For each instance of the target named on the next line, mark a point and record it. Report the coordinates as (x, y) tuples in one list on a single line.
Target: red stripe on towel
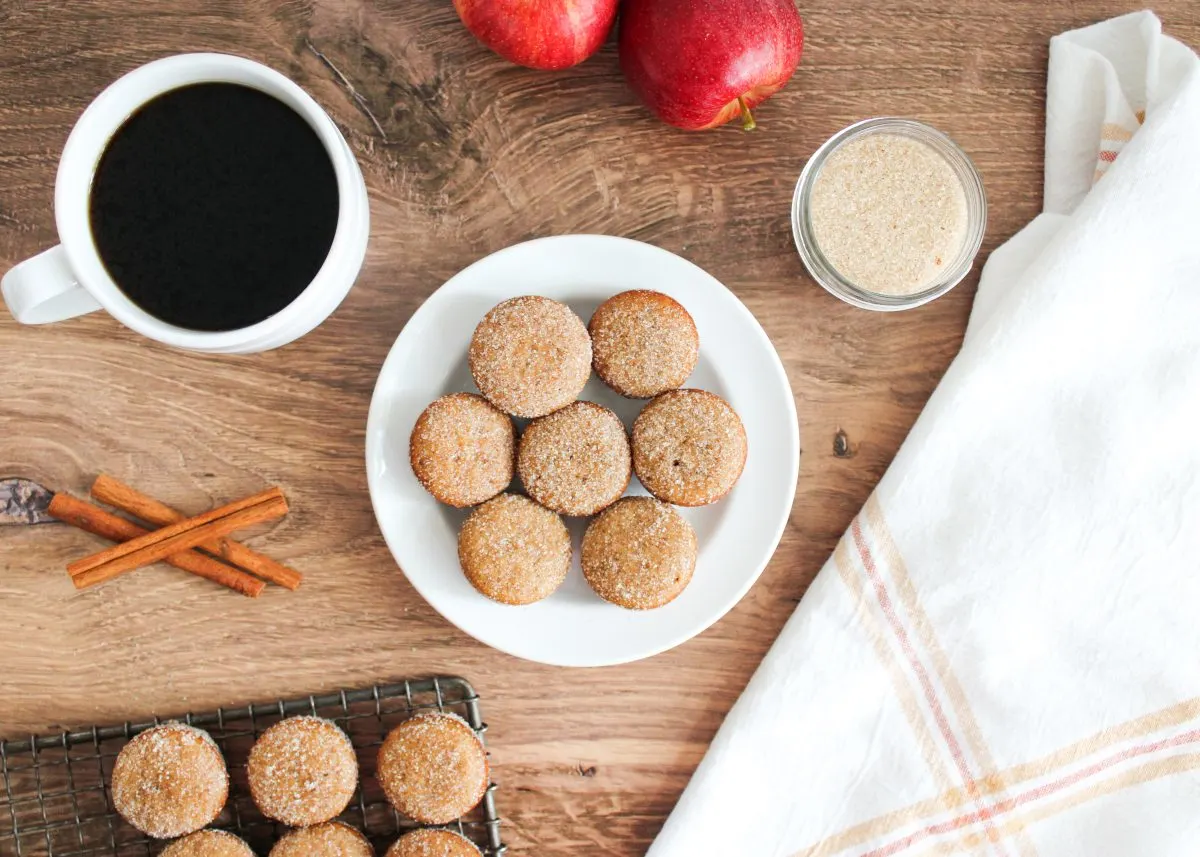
[(1037, 793), (935, 705)]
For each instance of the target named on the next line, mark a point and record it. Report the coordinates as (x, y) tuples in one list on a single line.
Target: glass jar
[(828, 276)]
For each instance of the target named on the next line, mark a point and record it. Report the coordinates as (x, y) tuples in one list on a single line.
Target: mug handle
[(43, 289)]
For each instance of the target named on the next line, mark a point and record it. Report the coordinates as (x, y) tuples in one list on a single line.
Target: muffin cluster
[(171, 782), (530, 358)]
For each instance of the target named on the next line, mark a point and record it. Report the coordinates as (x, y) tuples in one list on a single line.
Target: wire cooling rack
[(55, 801)]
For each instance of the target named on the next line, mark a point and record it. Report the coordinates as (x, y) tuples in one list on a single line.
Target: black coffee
[(214, 206)]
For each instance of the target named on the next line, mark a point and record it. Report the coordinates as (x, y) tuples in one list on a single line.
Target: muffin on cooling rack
[(643, 343), (576, 460), (302, 771), (429, 842), (514, 551), (461, 449), (689, 447), (530, 356), (170, 780), (332, 839), (433, 768), (639, 553), (208, 843)]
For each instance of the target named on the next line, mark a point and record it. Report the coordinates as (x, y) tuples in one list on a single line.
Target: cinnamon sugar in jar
[(889, 214)]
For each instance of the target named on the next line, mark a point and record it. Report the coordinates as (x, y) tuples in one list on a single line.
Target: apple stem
[(748, 123)]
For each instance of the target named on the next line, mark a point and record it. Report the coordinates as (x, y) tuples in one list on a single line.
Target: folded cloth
[(1002, 656)]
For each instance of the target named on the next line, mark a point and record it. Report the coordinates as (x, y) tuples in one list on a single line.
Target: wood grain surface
[(463, 155)]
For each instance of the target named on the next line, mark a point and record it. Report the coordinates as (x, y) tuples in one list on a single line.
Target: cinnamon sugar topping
[(170, 780), (689, 447), (575, 461), (433, 768), (332, 839), (514, 551), (640, 553), (530, 356), (208, 843), (302, 771), (461, 449), (428, 842), (643, 343)]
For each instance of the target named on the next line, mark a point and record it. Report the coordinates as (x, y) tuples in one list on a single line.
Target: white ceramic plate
[(737, 536)]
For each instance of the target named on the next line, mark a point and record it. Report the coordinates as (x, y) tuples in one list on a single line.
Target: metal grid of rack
[(55, 800)]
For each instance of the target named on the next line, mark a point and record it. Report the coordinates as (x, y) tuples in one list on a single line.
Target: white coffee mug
[(70, 279)]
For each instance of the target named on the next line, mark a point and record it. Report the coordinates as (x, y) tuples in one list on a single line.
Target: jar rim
[(823, 271)]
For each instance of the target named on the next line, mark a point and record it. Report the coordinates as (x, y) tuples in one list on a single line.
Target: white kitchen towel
[(1002, 657)]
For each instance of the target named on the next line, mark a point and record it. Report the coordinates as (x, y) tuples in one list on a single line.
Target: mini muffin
[(575, 461), (643, 343), (639, 554), (429, 842), (302, 771), (208, 843), (332, 839), (433, 768), (689, 447), (461, 449), (169, 781), (530, 356), (514, 551)]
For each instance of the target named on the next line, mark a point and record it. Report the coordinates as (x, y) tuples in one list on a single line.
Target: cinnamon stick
[(93, 519), (115, 493), (179, 536)]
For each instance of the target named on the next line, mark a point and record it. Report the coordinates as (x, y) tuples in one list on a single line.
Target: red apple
[(540, 33), (699, 64)]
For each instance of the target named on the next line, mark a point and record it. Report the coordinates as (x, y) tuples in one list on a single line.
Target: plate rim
[(794, 451)]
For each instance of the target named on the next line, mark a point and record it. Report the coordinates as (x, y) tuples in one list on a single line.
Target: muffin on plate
[(689, 447), (639, 554), (643, 343), (575, 461), (461, 449), (530, 356), (514, 551)]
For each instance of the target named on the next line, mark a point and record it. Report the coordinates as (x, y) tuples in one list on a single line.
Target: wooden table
[(465, 154)]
